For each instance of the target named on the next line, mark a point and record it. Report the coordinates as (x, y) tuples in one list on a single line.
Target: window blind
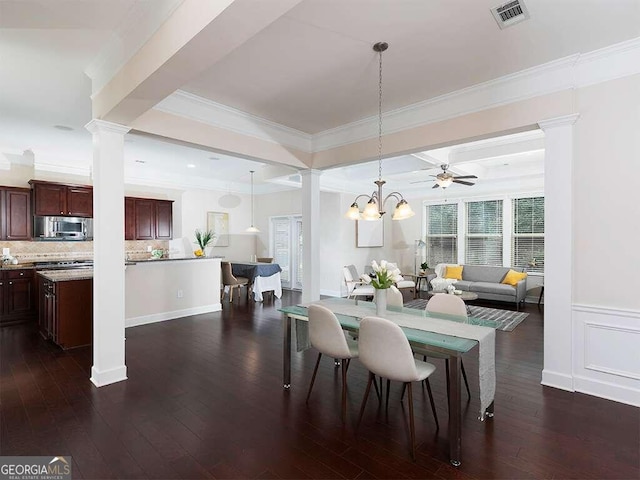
[(528, 234), (442, 234), (484, 233)]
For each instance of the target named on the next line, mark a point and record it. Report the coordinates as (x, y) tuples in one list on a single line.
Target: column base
[(107, 377)]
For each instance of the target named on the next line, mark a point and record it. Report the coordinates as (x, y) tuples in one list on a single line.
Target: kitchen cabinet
[(56, 199), (15, 213), (17, 296), (148, 219), (66, 312)]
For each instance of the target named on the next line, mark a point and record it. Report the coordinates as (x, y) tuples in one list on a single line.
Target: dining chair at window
[(228, 280), (450, 305), (326, 336), (355, 286), (385, 351)]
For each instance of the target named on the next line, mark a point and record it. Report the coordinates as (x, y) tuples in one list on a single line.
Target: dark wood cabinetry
[(148, 219), (15, 213), (17, 296), (66, 312), (58, 199)]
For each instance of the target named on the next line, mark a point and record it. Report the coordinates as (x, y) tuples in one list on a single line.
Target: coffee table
[(465, 296)]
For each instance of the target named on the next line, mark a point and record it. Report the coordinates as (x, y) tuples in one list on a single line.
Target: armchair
[(355, 287)]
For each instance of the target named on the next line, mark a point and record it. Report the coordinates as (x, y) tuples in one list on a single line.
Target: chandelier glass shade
[(374, 209)]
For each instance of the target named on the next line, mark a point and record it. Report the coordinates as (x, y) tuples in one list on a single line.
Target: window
[(527, 248), (484, 233), (442, 234)]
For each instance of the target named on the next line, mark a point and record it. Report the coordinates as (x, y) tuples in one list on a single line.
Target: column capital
[(558, 121), (307, 172), (96, 126)]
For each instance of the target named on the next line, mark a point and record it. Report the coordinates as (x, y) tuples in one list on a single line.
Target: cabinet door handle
[(1, 284), (10, 283), (21, 274)]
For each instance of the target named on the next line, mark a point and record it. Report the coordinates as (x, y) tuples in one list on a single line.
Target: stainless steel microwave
[(62, 228)]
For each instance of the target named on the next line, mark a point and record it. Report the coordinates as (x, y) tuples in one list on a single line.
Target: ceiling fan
[(445, 178)]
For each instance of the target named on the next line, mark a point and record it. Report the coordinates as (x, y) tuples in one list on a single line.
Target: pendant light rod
[(252, 229), (375, 205)]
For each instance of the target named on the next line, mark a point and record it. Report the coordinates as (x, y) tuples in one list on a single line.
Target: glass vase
[(381, 301)]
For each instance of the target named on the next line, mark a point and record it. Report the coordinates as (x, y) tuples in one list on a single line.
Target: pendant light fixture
[(252, 229), (375, 204)]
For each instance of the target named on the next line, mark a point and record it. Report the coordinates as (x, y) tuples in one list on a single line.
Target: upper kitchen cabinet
[(148, 219), (56, 199), (15, 213)]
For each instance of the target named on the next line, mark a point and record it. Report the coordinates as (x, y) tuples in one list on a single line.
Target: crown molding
[(574, 71), (194, 107)]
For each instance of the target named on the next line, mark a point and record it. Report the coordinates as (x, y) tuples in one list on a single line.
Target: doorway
[(285, 241)]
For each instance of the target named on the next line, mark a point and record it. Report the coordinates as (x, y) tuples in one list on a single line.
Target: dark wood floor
[(204, 399)]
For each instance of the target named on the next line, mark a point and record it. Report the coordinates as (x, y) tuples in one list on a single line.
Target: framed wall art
[(369, 233), (218, 223)]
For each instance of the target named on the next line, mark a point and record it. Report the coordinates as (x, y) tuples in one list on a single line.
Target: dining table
[(263, 277), (440, 333)]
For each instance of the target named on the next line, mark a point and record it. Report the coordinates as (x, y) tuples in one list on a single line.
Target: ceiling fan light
[(371, 211), (403, 211), (445, 182), (354, 212)]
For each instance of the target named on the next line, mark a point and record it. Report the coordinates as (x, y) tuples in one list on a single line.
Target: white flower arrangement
[(386, 275)]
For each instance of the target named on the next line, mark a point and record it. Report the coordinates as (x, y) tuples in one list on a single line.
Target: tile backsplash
[(42, 251)]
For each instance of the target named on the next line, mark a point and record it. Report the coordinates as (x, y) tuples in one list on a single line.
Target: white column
[(310, 235), (558, 254), (108, 252)]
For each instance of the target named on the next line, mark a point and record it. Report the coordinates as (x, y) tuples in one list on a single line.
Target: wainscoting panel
[(606, 353)]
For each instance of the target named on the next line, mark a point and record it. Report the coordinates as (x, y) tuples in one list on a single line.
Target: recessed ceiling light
[(63, 127), (214, 158), (191, 165), (140, 161), (505, 164)]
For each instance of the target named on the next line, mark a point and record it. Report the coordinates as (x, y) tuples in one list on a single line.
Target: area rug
[(507, 320)]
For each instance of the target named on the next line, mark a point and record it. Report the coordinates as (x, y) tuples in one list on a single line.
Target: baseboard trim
[(610, 391), (331, 293), (164, 316), (107, 377), (557, 380)]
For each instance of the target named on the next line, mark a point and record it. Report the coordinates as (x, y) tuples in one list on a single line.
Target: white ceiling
[(311, 70)]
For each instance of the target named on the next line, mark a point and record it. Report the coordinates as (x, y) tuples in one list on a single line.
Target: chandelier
[(375, 205)]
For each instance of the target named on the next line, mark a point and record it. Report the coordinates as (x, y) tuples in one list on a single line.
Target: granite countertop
[(169, 259), (67, 275), (16, 267)]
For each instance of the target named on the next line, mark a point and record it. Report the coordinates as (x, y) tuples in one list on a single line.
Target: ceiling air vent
[(510, 13)]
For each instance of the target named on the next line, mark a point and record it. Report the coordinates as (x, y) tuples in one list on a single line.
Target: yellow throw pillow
[(512, 277), (453, 272)]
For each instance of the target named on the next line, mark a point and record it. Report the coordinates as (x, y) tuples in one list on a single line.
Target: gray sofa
[(485, 281)]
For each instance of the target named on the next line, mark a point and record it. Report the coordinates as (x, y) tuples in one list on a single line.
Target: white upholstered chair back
[(326, 334), (394, 298), (385, 351), (449, 304)]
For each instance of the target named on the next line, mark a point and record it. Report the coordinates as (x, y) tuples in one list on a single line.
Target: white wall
[(196, 204)]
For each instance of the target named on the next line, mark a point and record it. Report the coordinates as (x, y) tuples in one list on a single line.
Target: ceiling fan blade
[(435, 186), (463, 182), (421, 181), (466, 176)]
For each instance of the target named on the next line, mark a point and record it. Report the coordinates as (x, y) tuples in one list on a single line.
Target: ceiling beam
[(196, 36)]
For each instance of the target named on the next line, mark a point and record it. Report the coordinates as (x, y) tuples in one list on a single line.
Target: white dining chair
[(394, 298), (449, 305), (385, 351), (326, 336)]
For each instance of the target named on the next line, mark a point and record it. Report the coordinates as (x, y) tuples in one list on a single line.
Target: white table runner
[(485, 336)]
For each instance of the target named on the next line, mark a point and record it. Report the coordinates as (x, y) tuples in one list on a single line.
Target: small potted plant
[(203, 239), (424, 266)]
